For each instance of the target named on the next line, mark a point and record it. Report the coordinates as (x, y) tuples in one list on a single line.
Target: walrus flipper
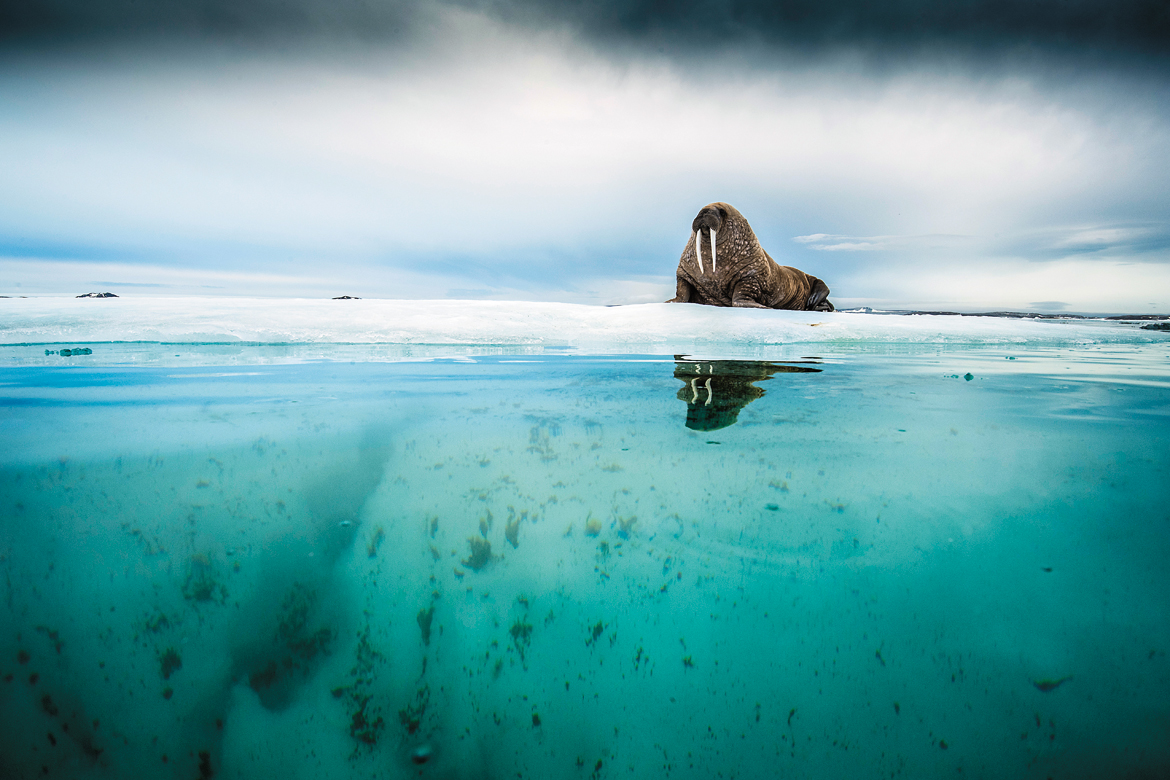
[(683, 291), (818, 299)]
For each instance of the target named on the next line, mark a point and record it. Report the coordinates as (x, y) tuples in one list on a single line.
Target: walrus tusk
[(699, 249), (694, 390), (710, 395), (714, 268)]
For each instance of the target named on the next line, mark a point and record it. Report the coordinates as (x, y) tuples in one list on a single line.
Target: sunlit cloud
[(824, 242)]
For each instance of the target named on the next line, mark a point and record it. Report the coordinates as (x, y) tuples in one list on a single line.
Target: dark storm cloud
[(1138, 26), (84, 20)]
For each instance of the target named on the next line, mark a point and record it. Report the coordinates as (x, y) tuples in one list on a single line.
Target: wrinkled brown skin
[(746, 275)]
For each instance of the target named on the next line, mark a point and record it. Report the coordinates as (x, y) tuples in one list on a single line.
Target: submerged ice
[(538, 566)]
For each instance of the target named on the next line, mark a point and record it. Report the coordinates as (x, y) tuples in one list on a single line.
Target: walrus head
[(722, 223), (711, 218)]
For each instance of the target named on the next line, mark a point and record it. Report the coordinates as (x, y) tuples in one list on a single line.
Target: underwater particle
[(942, 743), (201, 584), (53, 637), (626, 526), (592, 526), (521, 633), (205, 770), (791, 712), (535, 720), (168, 692), (1047, 685), (512, 532), (421, 754), (594, 633), (433, 525), (412, 714), (897, 708), (772, 507), (52, 739), (375, 542), (48, 706), (32, 678), (169, 662), (425, 616), (1046, 569), (709, 441), (968, 376), (264, 678), (878, 655), (481, 553), (9, 677), (687, 662), (157, 623), (23, 657), (361, 727)]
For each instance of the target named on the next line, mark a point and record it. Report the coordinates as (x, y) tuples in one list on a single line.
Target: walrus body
[(723, 264)]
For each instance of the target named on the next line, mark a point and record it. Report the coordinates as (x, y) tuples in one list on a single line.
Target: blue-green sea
[(819, 562)]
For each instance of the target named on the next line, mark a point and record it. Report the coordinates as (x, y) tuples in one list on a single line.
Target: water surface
[(814, 562)]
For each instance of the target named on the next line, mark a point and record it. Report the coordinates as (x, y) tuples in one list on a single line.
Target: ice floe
[(649, 327)]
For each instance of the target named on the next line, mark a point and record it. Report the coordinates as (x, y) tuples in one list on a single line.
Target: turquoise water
[(860, 562)]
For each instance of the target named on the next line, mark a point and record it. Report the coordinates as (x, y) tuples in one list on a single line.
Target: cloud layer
[(1117, 26), (477, 156)]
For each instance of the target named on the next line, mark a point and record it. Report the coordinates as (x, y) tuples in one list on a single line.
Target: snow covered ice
[(391, 539)]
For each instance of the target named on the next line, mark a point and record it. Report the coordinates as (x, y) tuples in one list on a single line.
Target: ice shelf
[(658, 326)]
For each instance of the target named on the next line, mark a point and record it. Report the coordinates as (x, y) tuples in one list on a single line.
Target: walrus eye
[(714, 268), (699, 249)]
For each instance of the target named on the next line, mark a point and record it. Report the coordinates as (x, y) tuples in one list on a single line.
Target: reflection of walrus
[(716, 390), (739, 271)]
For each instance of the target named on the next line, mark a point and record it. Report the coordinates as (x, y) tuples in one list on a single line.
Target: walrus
[(734, 270), (716, 390)]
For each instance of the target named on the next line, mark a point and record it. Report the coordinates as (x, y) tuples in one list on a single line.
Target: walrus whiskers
[(694, 390), (710, 395), (699, 249), (714, 268)]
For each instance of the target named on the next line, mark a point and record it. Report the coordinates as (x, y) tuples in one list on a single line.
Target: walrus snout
[(709, 218)]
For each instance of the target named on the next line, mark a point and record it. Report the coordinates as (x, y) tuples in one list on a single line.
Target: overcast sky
[(970, 155)]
